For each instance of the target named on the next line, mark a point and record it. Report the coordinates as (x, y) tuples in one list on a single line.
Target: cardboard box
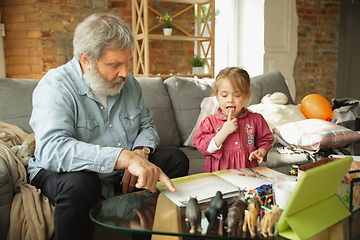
[(350, 185)]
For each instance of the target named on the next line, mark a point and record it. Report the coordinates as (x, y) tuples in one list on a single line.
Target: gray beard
[(99, 85)]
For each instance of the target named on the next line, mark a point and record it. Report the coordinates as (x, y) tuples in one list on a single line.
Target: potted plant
[(167, 21), (198, 65)]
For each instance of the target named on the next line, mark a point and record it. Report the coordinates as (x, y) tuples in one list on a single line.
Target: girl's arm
[(264, 139), (204, 138), (229, 127)]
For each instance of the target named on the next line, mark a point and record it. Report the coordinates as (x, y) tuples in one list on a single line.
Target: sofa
[(175, 103)]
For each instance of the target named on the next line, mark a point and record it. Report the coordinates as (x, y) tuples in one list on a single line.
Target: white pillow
[(208, 105), (315, 134), (277, 115)]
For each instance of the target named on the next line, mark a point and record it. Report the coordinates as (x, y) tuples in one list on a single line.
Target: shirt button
[(236, 143), (110, 125), (102, 169), (101, 107), (131, 117), (119, 144)]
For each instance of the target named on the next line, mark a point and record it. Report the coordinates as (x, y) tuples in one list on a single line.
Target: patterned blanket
[(31, 215)]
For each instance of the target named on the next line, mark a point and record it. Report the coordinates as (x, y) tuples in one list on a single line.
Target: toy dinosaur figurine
[(269, 220), (193, 215), (218, 206), (251, 217), (237, 211)]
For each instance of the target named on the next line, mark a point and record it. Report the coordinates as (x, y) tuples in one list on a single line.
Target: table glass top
[(153, 213)]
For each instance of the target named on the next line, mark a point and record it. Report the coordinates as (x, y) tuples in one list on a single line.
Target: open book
[(204, 186)]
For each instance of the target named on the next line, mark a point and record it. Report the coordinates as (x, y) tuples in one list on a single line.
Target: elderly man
[(93, 131)]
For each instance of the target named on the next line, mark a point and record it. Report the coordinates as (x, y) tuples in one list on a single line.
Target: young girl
[(233, 137)]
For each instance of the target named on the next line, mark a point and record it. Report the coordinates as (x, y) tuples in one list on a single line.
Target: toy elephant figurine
[(193, 215), (218, 206)]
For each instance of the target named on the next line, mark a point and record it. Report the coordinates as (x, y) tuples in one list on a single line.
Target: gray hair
[(99, 33)]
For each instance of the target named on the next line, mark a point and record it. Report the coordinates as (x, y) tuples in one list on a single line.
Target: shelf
[(178, 38), (173, 37), (186, 1), (205, 35)]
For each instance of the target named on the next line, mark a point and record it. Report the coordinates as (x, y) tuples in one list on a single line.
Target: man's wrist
[(123, 159), (144, 149)]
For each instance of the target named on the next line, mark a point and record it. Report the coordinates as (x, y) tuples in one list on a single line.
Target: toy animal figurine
[(251, 217), (193, 215), (237, 211), (218, 206), (269, 220)]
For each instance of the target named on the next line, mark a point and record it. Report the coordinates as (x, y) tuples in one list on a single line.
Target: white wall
[(281, 40), (250, 35), (223, 34), (258, 35), (239, 35)]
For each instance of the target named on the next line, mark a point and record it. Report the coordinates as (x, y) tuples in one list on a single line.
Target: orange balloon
[(316, 106)]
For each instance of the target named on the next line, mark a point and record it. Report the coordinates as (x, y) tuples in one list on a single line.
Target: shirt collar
[(79, 79)]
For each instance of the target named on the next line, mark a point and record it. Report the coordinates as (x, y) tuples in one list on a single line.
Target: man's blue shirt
[(75, 132)]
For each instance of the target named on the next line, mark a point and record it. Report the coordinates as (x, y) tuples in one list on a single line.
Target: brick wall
[(316, 64), (39, 37), (22, 43), (39, 34), (171, 56)]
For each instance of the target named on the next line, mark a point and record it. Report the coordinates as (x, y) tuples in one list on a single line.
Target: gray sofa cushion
[(269, 83), (186, 95), (157, 100), (197, 160), (17, 94)]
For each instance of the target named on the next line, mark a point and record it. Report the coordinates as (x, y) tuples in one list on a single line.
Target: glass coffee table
[(144, 212)]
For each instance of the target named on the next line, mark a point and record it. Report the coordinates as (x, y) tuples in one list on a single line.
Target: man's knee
[(83, 184), (181, 157), (173, 161)]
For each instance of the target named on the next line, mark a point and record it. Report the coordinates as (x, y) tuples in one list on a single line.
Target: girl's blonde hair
[(239, 79)]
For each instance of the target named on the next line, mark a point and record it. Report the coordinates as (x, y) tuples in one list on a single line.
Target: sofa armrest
[(6, 197)]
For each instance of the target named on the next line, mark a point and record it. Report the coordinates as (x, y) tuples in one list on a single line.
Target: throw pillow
[(315, 134), (208, 105), (185, 96), (163, 115), (277, 115)]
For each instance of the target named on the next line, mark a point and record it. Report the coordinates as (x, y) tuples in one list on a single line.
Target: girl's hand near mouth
[(229, 127)]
